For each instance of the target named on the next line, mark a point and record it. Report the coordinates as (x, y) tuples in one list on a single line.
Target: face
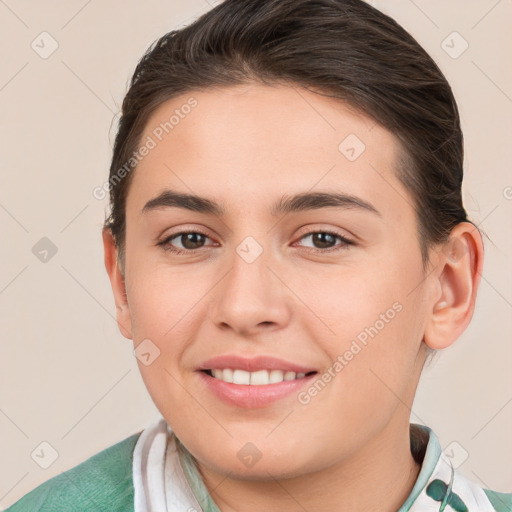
[(327, 293)]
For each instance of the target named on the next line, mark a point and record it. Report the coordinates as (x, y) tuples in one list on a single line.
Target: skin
[(244, 147)]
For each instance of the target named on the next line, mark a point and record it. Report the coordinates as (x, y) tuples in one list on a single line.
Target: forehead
[(256, 141)]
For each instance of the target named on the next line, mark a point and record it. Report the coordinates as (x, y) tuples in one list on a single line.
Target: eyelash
[(165, 244)]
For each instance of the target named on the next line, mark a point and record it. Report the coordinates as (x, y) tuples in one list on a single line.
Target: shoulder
[(501, 501), (102, 482)]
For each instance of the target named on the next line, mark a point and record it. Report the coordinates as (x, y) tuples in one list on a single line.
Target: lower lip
[(252, 397)]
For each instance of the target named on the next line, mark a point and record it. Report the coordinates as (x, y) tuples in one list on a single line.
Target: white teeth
[(275, 376), (258, 378), (226, 375), (241, 377)]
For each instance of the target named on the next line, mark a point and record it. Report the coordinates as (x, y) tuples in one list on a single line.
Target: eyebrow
[(304, 201)]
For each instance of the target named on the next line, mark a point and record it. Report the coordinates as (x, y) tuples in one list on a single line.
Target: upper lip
[(252, 364)]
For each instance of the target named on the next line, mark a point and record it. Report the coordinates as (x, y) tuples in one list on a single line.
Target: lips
[(253, 382)]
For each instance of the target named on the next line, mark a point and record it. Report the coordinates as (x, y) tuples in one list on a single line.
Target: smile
[(253, 382)]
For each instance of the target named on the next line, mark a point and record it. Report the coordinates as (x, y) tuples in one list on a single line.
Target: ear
[(456, 278), (117, 282)]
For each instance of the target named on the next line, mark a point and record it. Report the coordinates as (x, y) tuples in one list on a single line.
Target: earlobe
[(459, 268), (118, 284)]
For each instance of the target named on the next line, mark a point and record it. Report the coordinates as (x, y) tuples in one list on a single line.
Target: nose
[(252, 297)]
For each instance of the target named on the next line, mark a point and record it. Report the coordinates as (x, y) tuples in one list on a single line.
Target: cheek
[(162, 313), (162, 299), (372, 320), (348, 303)]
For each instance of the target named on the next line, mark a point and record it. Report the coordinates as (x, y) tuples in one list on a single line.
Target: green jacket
[(102, 483)]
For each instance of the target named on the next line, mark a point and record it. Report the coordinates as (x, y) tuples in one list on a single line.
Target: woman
[(287, 246)]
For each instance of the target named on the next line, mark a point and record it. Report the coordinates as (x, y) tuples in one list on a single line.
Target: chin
[(262, 470), (261, 460)]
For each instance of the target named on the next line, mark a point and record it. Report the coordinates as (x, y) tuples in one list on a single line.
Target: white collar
[(160, 484)]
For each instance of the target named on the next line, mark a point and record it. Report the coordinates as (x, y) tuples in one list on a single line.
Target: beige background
[(67, 376)]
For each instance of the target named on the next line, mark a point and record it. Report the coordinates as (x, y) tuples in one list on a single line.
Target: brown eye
[(324, 241), (190, 241)]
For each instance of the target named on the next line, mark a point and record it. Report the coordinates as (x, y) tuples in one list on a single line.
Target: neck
[(378, 477)]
